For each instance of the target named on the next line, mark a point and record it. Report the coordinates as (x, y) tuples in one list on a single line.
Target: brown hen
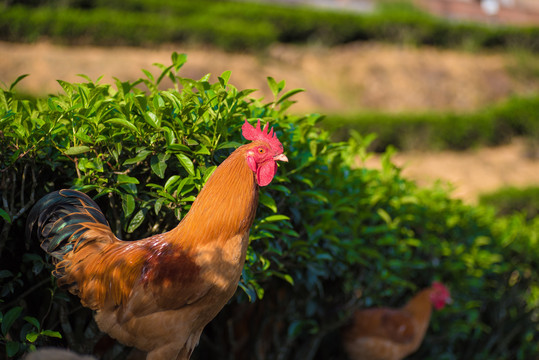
[(393, 334)]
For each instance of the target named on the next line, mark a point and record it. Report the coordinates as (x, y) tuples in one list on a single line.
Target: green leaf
[(186, 163), (158, 204), (266, 200), (208, 172), (32, 336), (33, 321), (51, 333), (128, 204), (86, 77), (17, 81), (171, 180), (148, 75), (137, 220), (285, 277), (159, 164), (275, 218), (203, 151), (295, 328), (249, 291), (124, 179), (413, 242), (223, 79), (75, 150), (141, 156), (178, 60), (228, 145), (288, 94), (189, 198), (124, 123), (281, 188), (169, 135), (152, 119), (5, 215), (384, 215), (158, 101), (275, 86), (12, 348), (9, 318), (179, 147)]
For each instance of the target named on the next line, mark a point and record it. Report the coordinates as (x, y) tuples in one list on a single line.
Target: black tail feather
[(55, 220)]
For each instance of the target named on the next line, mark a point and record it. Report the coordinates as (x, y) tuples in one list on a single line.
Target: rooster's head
[(266, 150)]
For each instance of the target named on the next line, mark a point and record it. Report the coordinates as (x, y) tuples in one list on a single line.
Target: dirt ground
[(344, 79), (347, 78), (469, 173)]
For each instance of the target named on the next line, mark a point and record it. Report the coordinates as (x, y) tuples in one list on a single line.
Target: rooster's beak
[(280, 157)]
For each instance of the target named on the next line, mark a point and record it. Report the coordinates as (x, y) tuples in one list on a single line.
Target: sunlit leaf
[(276, 218), (223, 79), (76, 150), (288, 94), (124, 123), (186, 163), (152, 119), (14, 83), (32, 336), (171, 181), (51, 333), (125, 179), (178, 60), (266, 200)]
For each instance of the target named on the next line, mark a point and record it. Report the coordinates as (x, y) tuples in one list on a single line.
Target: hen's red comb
[(439, 286), (250, 133)]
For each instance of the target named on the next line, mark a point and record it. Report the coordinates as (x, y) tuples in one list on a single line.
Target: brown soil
[(348, 78), (344, 79), (469, 173)]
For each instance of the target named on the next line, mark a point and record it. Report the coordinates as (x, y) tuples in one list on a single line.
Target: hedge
[(245, 26), (325, 230), (510, 200), (494, 125)]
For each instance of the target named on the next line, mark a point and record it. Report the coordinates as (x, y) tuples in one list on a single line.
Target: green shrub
[(495, 125), (512, 200), (239, 25), (325, 230)]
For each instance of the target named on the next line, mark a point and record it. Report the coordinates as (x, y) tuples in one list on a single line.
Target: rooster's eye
[(261, 150)]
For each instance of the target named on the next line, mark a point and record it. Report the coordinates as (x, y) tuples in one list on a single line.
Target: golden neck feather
[(226, 205)]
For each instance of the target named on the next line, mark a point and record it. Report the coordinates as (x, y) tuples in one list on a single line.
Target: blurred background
[(407, 70)]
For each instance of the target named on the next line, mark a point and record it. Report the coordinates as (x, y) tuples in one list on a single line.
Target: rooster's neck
[(226, 205), (420, 307)]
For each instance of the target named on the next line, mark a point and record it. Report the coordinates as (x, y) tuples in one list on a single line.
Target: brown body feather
[(388, 334), (158, 293)]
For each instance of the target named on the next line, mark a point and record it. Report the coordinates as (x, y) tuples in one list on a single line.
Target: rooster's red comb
[(251, 133)]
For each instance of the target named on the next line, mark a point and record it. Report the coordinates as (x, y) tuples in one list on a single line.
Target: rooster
[(393, 334), (157, 294)]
